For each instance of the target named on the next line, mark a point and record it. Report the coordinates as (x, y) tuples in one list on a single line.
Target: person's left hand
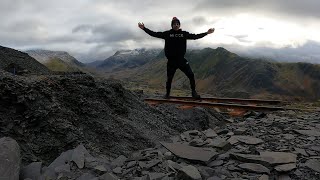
[(141, 25), (211, 30)]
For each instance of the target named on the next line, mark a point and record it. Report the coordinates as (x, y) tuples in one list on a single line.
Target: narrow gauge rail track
[(224, 100), (226, 103)]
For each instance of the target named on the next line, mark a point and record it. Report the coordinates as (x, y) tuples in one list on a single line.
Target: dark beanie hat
[(175, 20)]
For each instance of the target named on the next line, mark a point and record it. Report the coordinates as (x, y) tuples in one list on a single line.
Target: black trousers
[(183, 65)]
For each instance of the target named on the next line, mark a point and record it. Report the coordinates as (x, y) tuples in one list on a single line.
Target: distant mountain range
[(57, 60), (221, 73)]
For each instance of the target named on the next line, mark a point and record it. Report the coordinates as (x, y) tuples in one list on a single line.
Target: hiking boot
[(167, 96), (195, 95)]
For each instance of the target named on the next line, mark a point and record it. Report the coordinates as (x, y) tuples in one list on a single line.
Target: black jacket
[(175, 41)]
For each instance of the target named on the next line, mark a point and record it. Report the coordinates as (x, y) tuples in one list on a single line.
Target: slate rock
[(233, 140), (9, 159), (275, 158), (197, 142), (86, 176), (206, 172), (78, 156), (309, 132), (32, 171), (220, 143), (191, 153), (288, 136), (155, 176), (189, 173), (210, 133), (108, 176), (64, 158), (117, 170), (285, 167), (313, 164), (215, 163), (173, 166), (267, 158), (240, 131), (62, 169), (264, 177), (284, 177), (119, 161), (214, 178), (249, 140), (300, 151)]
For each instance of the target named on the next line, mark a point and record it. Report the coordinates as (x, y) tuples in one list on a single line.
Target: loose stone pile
[(283, 145)]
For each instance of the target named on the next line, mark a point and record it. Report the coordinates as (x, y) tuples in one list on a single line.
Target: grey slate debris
[(251, 156)]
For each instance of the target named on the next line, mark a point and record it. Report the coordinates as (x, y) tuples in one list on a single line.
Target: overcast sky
[(95, 29)]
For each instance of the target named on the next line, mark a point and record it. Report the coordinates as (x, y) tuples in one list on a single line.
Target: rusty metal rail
[(233, 106), (235, 100)]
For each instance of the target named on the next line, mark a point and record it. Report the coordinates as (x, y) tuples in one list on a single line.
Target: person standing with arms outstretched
[(175, 48)]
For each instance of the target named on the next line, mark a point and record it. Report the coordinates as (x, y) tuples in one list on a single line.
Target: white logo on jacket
[(176, 35)]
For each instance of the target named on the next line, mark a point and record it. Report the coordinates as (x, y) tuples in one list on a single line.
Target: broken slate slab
[(267, 158), (32, 171), (285, 167), (119, 161), (156, 176), (214, 178), (9, 158), (206, 172), (309, 132), (284, 177), (191, 153), (264, 177), (62, 159), (300, 151), (240, 131), (233, 140), (275, 158), (249, 140), (86, 176), (189, 172), (197, 143), (288, 136), (172, 165), (210, 133), (256, 168), (78, 155), (313, 164), (219, 142), (108, 176)]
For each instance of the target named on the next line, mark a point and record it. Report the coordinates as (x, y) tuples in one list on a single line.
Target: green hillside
[(222, 73), (56, 64)]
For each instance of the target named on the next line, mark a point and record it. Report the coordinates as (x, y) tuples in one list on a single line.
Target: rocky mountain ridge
[(56, 60), (18, 62), (128, 59)]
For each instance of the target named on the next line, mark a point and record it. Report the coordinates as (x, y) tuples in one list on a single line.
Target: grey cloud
[(308, 52), (108, 33), (294, 8), (241, 38), (82, 28), (199, 20)]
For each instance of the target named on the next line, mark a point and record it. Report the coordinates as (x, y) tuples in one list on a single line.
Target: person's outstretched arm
[(198, 36), (151, 33)]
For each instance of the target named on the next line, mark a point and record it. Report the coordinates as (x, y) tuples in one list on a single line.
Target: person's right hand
[(141, 25)]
